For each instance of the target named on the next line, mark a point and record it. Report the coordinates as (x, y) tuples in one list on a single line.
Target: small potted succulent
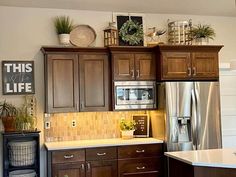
[(64, 25), (7, 114), (202, 33), (127, 128), (24, 121)]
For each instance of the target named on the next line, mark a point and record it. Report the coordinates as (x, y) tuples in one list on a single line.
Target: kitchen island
[(202, 163)]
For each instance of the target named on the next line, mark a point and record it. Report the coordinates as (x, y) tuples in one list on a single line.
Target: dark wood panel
[(135, 151), (205, 65), (140, 165), (62, 83), (176, 65), (180, 169), (66, 156), (123, 67), (94, 82), (68, 170), (104, 168), (101, 153), (214, 172), (145, 66)]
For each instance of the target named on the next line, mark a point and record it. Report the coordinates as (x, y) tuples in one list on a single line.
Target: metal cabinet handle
[(138, 73), (140, 151), (81, 105), (68, 156), (189, 71), (140, 168), (82, 166), (132, 73), (194, 71), (88, 166), (101, 154)]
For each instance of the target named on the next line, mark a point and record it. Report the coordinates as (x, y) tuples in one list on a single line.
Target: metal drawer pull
[(140, 151), (140, 168), (68, 156), (101, 154)]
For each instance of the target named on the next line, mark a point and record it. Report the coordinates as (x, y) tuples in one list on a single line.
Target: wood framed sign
[(18, 77), (142, 125)]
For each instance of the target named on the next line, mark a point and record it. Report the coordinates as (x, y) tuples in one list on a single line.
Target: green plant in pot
[(24, 120), (202, 33), (7, 115), (127, 128), (63, 25)]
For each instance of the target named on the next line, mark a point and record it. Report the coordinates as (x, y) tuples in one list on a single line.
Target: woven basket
[(22, 173)]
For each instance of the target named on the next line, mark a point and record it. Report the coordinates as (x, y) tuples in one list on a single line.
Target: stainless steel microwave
[(134, 95)]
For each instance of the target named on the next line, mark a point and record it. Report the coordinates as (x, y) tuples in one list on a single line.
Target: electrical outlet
[(47, 124), (73, 123)]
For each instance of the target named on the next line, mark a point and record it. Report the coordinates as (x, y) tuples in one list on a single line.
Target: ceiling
[(192, 7)]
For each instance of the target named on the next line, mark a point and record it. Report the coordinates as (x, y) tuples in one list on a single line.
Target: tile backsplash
[(89, 125)]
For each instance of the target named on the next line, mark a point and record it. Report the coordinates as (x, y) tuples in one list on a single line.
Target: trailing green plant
[(203, 31), (63, 24), (7, 110), (127, 125), (24, 120)]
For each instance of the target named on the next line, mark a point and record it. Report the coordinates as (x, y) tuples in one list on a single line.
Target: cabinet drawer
[(140, 165), (68, 156), (101, 153), (134, 151)]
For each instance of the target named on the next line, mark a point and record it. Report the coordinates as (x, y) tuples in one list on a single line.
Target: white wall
[(24, 30)]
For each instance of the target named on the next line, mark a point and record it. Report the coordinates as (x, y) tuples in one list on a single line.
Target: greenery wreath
[(131, 27)]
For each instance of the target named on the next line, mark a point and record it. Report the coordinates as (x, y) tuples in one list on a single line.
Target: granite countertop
[(63, 145), (222, 158)]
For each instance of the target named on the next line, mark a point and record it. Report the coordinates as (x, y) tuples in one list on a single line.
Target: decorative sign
[(18, 77), (142, 125)]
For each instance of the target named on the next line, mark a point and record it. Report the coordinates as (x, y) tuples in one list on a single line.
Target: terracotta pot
[(127, 134), (8, 123)]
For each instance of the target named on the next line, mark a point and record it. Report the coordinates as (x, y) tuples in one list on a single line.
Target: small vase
[(64, 39), (127, 134), (202, 41), (8, 123)]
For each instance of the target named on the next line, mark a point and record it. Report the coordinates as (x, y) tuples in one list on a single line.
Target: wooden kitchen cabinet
[(94, 82), (140, 160), (76, 79), (61, 76), (131, 63), (188, 62), (68, 170)]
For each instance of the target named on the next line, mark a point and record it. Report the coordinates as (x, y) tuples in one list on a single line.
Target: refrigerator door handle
[(194, 120), (198, 127)]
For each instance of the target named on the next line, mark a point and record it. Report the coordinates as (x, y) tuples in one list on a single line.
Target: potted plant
[(64, 25), (7, 114), (202, 33), (24, 120), (127, 128)]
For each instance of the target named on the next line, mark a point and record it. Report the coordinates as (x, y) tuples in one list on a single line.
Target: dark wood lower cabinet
[(107, 168), (68, 170)]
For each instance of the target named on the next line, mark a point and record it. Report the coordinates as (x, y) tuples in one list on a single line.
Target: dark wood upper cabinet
[(61, 82), (133, 63), (94, 82), (188, 62), (76, 79)]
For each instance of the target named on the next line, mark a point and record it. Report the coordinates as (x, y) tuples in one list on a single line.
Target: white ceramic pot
[(127, 134), (201, 41), (64, 39)]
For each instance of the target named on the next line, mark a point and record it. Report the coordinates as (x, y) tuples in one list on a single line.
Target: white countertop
[(223, 158), (63, 145)]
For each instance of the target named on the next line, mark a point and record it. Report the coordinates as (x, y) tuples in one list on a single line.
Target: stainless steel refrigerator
[(192, 115)]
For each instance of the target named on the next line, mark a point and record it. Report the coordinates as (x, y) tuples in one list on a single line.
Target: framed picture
[(135, 37), (18, 77), (142, 125)]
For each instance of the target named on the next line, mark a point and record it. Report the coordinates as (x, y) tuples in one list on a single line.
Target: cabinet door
[(123, 67), (176, 65), (68, 170), (205, 65), (105, 168), (61, 83), (94, 82), (145, 66)]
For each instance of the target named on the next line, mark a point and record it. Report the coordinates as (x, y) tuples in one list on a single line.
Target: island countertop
[(63, 145), (221, 158)]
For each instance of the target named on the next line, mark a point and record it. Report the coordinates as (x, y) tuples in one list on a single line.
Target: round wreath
[(128, 27)]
